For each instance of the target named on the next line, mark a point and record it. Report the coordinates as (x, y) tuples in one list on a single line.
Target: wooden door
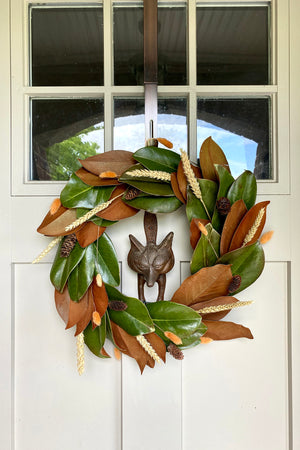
[(239, 394)]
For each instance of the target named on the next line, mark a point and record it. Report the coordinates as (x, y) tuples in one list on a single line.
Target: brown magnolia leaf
[(118, 210), (232, 221), (175, 187), (266, 237), (250, 227), (158, 344), (71, 312), (195, 232), (94, 180), (100, 297), (85, 319), (117, 160), (210, 154), (104, 352), (220, 331), (206, 284), (165, 142), (55, 224), (55, 205), (182, 181), (196, 170), (88, 234), (225, 300)]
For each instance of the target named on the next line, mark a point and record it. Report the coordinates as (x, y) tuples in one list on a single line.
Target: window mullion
[(108, 75), (192, 76)]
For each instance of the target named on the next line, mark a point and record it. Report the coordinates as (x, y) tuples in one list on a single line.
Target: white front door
[(240, 394)]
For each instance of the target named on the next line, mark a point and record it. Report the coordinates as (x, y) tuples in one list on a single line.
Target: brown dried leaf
[(71, 312), (219, 331), (206, 284), (85, 320), (196, 170), (100, 297), (158, 344), (117, 160), (225, 300), (210, 154), (247, 223), (55, 224), (234, 217), (88, 234), (118, 209), (94, 180), (175, 187), (182, 181), (104, 352), (195, 232)]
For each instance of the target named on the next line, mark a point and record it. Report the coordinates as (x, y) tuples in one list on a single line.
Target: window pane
[(67, 46), (128, 45), (172, 121), (172, 45), (63, 131), (232, 45), (129, 124), (241, 127)]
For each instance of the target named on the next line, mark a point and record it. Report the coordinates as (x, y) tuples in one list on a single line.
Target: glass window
[(63, 131), (232, 45), (172, 121), (128, 35), (66, 46), (129, 123), (172, 53), (241, 127)]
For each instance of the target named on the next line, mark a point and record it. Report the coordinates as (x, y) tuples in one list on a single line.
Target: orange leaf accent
[(202, 228), (118, 209), (108, 174), (117, 353), (88, 234), (165, 142), (55, 205), (173, 337), (96, 318), (266, 237), (195, 232), (246, 224), (99, 280), (175, 187), (205, 340), (71, 312), (225, 300), (206, 284), (210, 154), (94, 180), (219, 331), (118, 160), (234, 217)]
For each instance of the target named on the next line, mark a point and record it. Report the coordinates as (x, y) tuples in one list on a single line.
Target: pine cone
[(223, 206), (234, 284), (68, 245), (175, 351), (131, 193), (117, 305)]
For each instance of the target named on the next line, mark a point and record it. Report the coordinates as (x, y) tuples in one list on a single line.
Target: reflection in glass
[(172, 45), (128, 35), (241, 127), (129, 124), (67, 46), (64, 131), (172, 121), (232, 45)]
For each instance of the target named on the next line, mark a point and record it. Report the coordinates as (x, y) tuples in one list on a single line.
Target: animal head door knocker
[(151, 261)]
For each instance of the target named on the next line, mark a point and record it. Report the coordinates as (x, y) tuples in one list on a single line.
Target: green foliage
[(204, 255)]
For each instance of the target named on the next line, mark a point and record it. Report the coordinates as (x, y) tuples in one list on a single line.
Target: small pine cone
[(223, 206), (117, 305), (234, 284), (132, 193), (175, 351), (68, 245)]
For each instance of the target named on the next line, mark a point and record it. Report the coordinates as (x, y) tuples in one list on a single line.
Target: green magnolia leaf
[(155, 204), (155, 158), (194, 206), (194, 339), (204, 255), (82, 276), (78, 194), (106, 261), (169, 316), (225, 181), (95, 339), (135, 319), (96, 220), (245, 188), (62, 267), (153, 188), (248, 262)]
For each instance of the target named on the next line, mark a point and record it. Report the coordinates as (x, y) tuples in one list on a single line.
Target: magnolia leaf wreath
[(225, 227)]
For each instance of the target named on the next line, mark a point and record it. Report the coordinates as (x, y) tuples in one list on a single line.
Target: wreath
[(225, 226)]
